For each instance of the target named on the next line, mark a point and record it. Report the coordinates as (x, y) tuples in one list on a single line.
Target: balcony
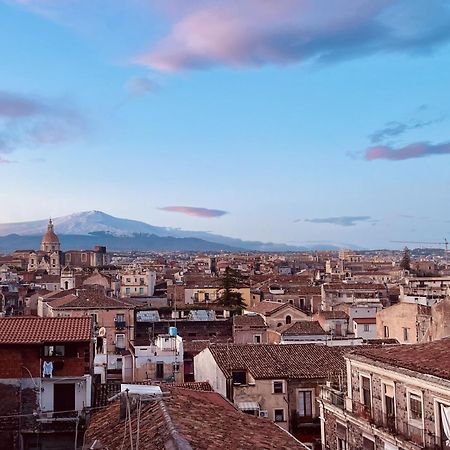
[(119, 324), (363, 411), (333, 396)]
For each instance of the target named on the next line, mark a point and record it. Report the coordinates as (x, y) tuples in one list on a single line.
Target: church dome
[(50, 236)]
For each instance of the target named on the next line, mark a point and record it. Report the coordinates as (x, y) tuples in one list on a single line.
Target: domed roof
[(50, 237)]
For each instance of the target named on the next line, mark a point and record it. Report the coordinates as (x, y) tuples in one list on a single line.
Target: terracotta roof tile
[(203, 420), (302, 328), (266, 361), (428, 358), (249, 320), (35, 330)]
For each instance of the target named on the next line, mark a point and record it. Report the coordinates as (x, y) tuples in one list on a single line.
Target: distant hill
[(83, 224), (85, 229), (140, 242)]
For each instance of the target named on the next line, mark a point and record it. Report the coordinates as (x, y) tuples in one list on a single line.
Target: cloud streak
[(28, 122), (395, 128), (195, 212), (343, 221), (415, 150), (254, 33), (139, 86)]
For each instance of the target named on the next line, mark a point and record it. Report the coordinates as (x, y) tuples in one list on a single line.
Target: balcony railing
[(362, 410), (119, 350), (333, 396), (120, 324)]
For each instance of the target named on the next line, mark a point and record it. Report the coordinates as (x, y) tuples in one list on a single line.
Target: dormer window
[(239, 376)]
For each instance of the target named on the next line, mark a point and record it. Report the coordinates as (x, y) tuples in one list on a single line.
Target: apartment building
[(396, 397), (137, 283)]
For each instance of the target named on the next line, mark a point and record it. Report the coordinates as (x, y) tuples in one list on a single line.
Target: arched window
[(288, 319), (66, 285)]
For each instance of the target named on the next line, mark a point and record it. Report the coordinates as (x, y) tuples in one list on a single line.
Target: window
[(386, 331), (365, 392), (278, 415), (415, 407), (389, 404), (239, 376), (54, 350), (304, 408), (341, 439), (120, 340), (288, 320), (83, 257), (127, 290), (366, 327), (277, 387), (368, 444), (94, 318), (159, 370), (405, 334), (257, 339)]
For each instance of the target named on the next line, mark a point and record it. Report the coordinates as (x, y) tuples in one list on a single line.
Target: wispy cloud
[(196, 212), (139, 86), (394, 129), (343, 221), (27, 121), (257, 32), (415, 150)]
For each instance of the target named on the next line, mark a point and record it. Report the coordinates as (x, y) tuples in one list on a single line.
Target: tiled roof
[(327, 315), (302, 328), (35, 330), (249, 320), (195, 419), (365, 320), (430, 358), (268, 307), (279, 361), (90, 297)]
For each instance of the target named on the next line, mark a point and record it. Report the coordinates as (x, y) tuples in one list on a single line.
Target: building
[(45, 380), (409, 323), (365, 327), (281, 382), (136, 283), (395, 398), (303, 331), (113, 320), (249, 329), (49, 257), (333, 322), (185, 418), (278, 314)]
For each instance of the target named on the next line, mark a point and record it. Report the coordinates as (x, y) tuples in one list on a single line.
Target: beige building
[(281, 382), (408, 323), (278, 314), (137, 283)]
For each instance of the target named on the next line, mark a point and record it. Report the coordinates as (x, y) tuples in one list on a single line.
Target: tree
[(230, 298), (405, 263)]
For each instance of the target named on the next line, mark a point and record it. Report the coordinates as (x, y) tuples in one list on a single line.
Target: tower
[(50, 242)]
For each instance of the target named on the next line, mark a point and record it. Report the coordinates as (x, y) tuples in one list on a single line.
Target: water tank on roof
[(173, 331)]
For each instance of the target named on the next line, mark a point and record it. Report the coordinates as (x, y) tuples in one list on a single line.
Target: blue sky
[(302, 120)]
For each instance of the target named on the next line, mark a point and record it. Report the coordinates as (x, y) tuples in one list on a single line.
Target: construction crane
[(445, 243)]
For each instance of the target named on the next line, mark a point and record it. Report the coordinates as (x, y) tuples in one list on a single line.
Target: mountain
[(139, 242), (88, 222)]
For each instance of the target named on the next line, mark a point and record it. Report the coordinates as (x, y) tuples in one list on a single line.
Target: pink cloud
[(416, 150), (258, 32), (27, 121), (5, 161), (195, 212)]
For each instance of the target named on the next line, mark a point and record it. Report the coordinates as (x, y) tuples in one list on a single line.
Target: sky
[(294, 121)]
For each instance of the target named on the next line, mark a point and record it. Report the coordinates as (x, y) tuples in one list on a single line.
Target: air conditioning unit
[(263, 414)]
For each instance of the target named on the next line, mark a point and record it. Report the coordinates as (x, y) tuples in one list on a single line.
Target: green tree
[(405, 263), (229, 297)]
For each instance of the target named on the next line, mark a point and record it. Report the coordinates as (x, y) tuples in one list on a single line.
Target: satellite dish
[(102, 332)]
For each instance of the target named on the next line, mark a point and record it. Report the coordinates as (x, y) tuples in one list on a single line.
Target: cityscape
[(223, 225)]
